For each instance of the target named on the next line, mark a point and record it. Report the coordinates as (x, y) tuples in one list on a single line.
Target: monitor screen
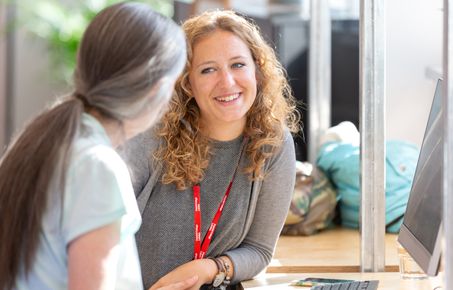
[(421, 229)]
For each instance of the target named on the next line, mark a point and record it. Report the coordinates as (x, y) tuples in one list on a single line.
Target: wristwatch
[(221, 280)]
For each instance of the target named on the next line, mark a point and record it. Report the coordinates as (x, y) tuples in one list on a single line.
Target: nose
[(226, 78)]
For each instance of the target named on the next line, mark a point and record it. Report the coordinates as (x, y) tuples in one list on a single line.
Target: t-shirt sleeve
[(98, 192)]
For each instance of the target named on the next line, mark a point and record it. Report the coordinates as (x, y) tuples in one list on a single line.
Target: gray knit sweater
[(251, 221)]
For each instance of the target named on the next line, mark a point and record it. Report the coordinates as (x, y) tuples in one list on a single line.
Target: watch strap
[(221, 273)]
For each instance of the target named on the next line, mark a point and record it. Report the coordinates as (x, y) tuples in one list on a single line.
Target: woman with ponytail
[(68, 214)]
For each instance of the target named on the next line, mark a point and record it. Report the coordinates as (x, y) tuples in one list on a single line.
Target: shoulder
[(100, 156), (282, 154), (287, 144), (287, 138), (142, 146), (97, 163)]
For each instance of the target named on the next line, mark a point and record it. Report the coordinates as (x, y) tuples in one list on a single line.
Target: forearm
[(248, 261)]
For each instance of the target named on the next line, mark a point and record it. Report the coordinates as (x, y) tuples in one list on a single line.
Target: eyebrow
[(213, 62)]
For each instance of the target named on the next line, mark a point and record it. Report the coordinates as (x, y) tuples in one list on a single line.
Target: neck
[(223, 131), (113, 128)]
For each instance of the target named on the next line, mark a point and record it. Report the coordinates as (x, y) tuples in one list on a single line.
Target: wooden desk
[(333, 250), (387, 281)]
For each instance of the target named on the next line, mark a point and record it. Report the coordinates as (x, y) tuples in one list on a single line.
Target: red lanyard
[(200, 248)]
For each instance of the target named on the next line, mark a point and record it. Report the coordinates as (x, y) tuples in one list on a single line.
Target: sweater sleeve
[(256, 251), (137, 154)]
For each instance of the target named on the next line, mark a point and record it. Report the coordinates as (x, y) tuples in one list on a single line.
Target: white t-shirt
[(97, 192)]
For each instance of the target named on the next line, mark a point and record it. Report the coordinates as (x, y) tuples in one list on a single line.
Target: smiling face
[(223, 82)]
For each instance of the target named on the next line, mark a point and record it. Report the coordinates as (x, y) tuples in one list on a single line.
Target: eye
[(238, 65), (207, 70)]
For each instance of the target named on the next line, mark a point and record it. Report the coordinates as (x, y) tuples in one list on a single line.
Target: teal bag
[(340, 162)]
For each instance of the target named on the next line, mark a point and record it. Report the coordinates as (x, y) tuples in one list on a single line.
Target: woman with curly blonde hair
[(222, 153)]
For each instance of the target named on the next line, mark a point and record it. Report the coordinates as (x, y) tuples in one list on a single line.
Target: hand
[(205, 269), (183, 285)]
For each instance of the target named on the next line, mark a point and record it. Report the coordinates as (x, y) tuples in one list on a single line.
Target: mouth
[(228, 98)]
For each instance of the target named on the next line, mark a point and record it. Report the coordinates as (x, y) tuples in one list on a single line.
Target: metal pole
[(10, 71), (319, 97), (372, 137), (447, 253), (7, 19), (2, 79)]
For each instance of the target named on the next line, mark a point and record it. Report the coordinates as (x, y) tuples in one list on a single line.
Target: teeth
[(228, 98)]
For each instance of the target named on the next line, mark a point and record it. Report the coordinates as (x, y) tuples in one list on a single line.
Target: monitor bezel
[(428, 262)]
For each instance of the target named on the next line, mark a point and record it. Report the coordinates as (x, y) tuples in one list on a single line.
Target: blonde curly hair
[(185, 151)]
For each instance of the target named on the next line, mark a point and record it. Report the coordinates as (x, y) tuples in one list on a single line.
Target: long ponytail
[(26, 170)]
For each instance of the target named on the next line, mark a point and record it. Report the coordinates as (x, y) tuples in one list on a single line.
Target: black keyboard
[(354, 285)]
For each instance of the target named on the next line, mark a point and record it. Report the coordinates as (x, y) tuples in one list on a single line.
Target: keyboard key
[(354, 285), (335, 286)]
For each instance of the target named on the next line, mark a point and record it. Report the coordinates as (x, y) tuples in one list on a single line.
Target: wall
[(34, 87), (414, 44), (30, 84)]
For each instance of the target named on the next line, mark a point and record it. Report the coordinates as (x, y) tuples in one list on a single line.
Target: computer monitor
[(421, 231)]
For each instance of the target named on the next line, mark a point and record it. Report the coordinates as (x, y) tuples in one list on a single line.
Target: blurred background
[(38, 41)]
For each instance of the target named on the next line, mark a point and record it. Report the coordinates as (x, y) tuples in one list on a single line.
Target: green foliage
[(62, 26)]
